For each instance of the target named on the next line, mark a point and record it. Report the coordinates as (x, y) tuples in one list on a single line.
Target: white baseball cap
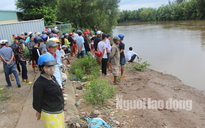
[(3, 41), (29, 33), (99, 32)]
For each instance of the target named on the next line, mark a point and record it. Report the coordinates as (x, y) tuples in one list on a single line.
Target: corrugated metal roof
[(11, 10), (7, 30)]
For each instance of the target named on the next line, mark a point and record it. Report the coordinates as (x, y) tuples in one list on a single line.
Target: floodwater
[(171, 47)]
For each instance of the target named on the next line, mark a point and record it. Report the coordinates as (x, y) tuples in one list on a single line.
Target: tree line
[(175, 10), (80, 13)]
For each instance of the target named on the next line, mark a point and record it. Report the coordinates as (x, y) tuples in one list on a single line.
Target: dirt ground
[(10, 110), (137, 85), (149, 84)]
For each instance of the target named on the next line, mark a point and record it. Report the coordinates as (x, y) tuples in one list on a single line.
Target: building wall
[(8, 15), (7, 30)]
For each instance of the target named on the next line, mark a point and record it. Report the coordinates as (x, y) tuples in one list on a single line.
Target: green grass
[(4, 95)]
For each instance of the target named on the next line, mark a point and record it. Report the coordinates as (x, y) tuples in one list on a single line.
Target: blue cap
[(78, 31), (44, 37), (47, 60), (37, 39), (121, 36)]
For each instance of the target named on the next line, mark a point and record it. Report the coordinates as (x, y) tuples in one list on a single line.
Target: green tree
[(164, 13), (87, 13), (148, 14), (200, 4), (190, 10), (38, 9)]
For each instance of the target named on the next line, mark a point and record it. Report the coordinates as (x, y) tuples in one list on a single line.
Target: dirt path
[(10, 110), (157, 86)]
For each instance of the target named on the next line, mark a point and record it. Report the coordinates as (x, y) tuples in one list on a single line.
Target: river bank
[(149, 84), (136, 86)]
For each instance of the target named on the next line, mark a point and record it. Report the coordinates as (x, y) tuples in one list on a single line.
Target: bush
[(84, 67), (139, 66), (27, 53), (98, 91)]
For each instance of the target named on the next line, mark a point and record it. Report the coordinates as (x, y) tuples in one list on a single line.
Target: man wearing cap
[(80, 45), (65, 54), (51, 49), (97, 40), (103, 58), (30, 34), (67, 43), (130, 56), (115, 59), (7, 56), (70, 39)]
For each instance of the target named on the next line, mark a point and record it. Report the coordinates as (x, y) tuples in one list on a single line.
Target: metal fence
[(62, 28), (7, 30)]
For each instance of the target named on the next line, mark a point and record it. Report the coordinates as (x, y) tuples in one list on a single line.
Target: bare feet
[(123, 76)]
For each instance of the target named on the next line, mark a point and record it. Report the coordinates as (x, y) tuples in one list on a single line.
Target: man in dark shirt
[(95, 29), (97, 40), (70, 39), (86, 44), (122, 55)]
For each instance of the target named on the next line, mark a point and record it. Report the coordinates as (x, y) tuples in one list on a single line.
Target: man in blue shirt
[(80, 45), (7, 56)]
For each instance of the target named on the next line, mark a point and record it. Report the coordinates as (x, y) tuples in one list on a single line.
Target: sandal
[(29, 83), (7, 86), (12, 79), (117, 84)]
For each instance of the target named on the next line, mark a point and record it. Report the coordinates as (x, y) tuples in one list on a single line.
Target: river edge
[(151, 85)]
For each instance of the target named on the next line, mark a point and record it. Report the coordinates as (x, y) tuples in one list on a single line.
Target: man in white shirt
[(103, 58), (130, 56)]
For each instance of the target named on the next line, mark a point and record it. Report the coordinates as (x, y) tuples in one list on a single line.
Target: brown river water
[(171, 47)]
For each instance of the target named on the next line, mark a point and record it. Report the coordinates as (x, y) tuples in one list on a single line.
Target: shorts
[(122, 61), (92, 46), (115, 70), (108, 56)]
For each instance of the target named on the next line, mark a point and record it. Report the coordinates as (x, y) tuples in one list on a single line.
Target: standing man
[(103, 58), (52, 48), (80, 45), (70, 39), (97, 40), (115, 59), (7, 55), (107, 42), (122, 55), (95, 29)]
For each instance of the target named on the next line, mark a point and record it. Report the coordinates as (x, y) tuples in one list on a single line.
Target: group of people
[(48, 52), (45, 51), (111, 57)]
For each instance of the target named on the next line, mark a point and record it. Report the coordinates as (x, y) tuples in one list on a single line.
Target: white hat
[(64, 46), (29, 33), (3, 41), (99, 32)]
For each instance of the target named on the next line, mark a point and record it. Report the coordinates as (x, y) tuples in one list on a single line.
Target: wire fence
[(62, 28)]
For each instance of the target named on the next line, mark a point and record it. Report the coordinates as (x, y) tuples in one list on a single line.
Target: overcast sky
[(124, 4)]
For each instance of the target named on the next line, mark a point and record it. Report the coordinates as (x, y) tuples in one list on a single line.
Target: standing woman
[(48, 98), (22, 59), (16, 55), (30, 48)]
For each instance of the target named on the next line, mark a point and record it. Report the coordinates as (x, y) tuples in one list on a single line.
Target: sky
[(124, 4)]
